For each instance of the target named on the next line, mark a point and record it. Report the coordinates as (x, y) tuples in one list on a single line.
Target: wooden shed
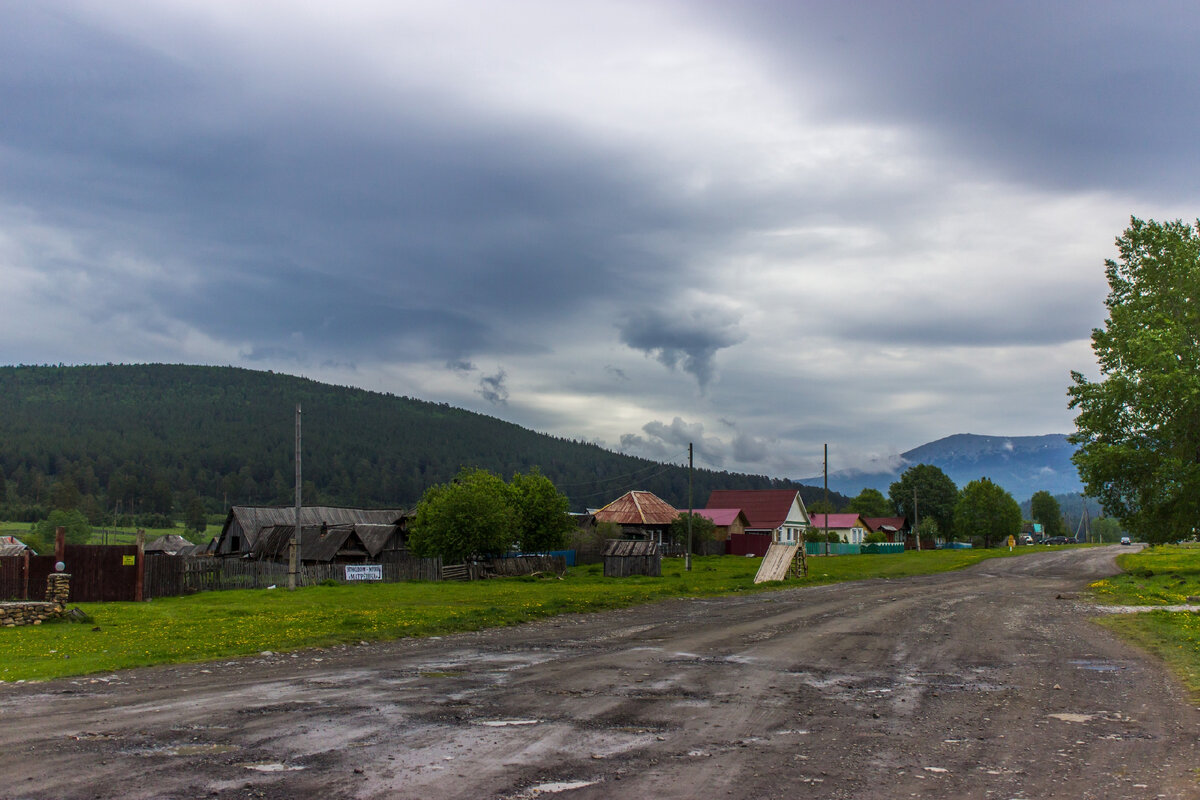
[(624, 558)]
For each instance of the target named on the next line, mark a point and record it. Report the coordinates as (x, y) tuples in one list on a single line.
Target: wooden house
[(728, 521), (172, 545), (641, 515), (321, 544), (625, 558), (244, 524), (895, 528), (772, 515)]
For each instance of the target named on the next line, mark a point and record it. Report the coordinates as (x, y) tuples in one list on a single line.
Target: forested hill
[(147, 438)]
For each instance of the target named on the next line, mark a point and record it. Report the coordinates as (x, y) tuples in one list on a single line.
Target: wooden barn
[(625, 558), (641, 515), (245, 524)]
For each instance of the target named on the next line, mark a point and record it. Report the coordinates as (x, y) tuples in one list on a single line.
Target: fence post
[(25, 595), (60, 544), (140, 584)]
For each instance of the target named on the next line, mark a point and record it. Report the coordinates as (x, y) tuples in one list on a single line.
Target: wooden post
[(140, 585), (25, 595), (60, 544)]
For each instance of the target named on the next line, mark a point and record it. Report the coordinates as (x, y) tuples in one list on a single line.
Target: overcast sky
[(760, 227)]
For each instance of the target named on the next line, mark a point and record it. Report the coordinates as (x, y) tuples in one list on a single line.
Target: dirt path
[(975, 684)]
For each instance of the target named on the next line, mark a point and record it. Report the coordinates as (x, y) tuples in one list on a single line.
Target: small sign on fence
[(128, 561), (364, 572)]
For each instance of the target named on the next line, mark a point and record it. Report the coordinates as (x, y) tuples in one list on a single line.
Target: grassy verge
[(1158, 576), (214, 625)]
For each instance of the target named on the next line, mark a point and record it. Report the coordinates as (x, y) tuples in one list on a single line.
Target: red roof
[(835, 520), (765, 509), (877, 523), (638, 508), (720, 516)]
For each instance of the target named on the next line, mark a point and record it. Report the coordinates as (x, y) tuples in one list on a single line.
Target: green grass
[(1158, 576), (118, 535), (214, 625)]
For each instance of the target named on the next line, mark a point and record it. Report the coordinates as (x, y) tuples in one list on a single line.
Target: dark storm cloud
[(684, 338), (408, 233), (1073, 95)]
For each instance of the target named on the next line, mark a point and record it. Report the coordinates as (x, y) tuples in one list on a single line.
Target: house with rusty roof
[(641, 515), (245, 524), (772, 515)]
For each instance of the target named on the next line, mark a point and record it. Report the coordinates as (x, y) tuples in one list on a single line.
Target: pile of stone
[(32, 612)]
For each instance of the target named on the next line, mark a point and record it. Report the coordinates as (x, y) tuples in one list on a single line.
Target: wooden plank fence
[(171, 576)]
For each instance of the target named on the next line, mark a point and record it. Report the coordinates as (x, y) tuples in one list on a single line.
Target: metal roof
[(765, 509), (721, 516), (835, 520), (638, 508), (253, 519)]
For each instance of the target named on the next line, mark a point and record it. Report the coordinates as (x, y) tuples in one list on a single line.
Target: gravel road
[(982, 683)]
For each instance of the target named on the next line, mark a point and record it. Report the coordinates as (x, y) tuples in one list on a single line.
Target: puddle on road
[(270, 766), (1069, 717), (506, 723), (1095, 665), (553, 787)]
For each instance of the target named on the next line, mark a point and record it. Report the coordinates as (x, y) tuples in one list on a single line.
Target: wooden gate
[(98, 573)]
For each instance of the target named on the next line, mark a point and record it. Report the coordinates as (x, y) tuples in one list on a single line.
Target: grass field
[(214, 625), (1157, 576)]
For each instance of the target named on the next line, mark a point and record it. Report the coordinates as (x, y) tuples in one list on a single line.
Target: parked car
[(1126, 540), (1026, 538), (1056, 540)]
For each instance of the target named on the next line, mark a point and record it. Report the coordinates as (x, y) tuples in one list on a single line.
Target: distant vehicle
[(1126, 540), (1056, 540), (1026, 538)]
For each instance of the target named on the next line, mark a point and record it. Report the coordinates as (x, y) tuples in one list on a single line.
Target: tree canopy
[(703, 530), (1138, 427), (1044, 508), (936, 495), (871, 503), (986, 511)]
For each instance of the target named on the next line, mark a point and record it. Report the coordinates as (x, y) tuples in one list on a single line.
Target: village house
[(772, 515), (849, 527), (641, 515), (895, 529), (728, 521), (245, 524)]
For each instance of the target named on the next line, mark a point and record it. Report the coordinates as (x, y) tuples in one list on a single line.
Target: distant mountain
[(1021, 464), (158, 438)]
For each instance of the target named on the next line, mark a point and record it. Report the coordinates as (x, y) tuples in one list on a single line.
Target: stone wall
[(58, 589)]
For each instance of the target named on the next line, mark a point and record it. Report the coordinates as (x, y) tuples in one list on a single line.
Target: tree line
[(141, 444)]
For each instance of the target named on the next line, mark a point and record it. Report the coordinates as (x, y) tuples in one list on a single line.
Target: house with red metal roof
[(772, 515), (894, 528), (729, 521), (849, 527)]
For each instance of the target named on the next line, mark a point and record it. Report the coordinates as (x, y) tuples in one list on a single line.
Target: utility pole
[(687, 557), (916, 522), (826, 469), (294, 555)]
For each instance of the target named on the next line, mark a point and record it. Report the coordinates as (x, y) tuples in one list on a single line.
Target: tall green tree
[(1044, 508), (986, 511), (542, 510), (871, 503), (1138, 427), (78, 531), (703, 530), (471, 516), (936, 495)]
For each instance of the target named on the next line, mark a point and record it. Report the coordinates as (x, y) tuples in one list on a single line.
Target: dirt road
[(974, 684)]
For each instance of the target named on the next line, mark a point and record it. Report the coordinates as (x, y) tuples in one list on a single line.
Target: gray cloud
[(687, 339), (492, 388)]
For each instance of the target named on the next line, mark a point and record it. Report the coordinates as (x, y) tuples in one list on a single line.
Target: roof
[(885, 523), (721, 516), (254, 518), (765, 509), (12, 546), (835, 520), (638, 508), (317, 543), (171, 543), (621, 548)]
